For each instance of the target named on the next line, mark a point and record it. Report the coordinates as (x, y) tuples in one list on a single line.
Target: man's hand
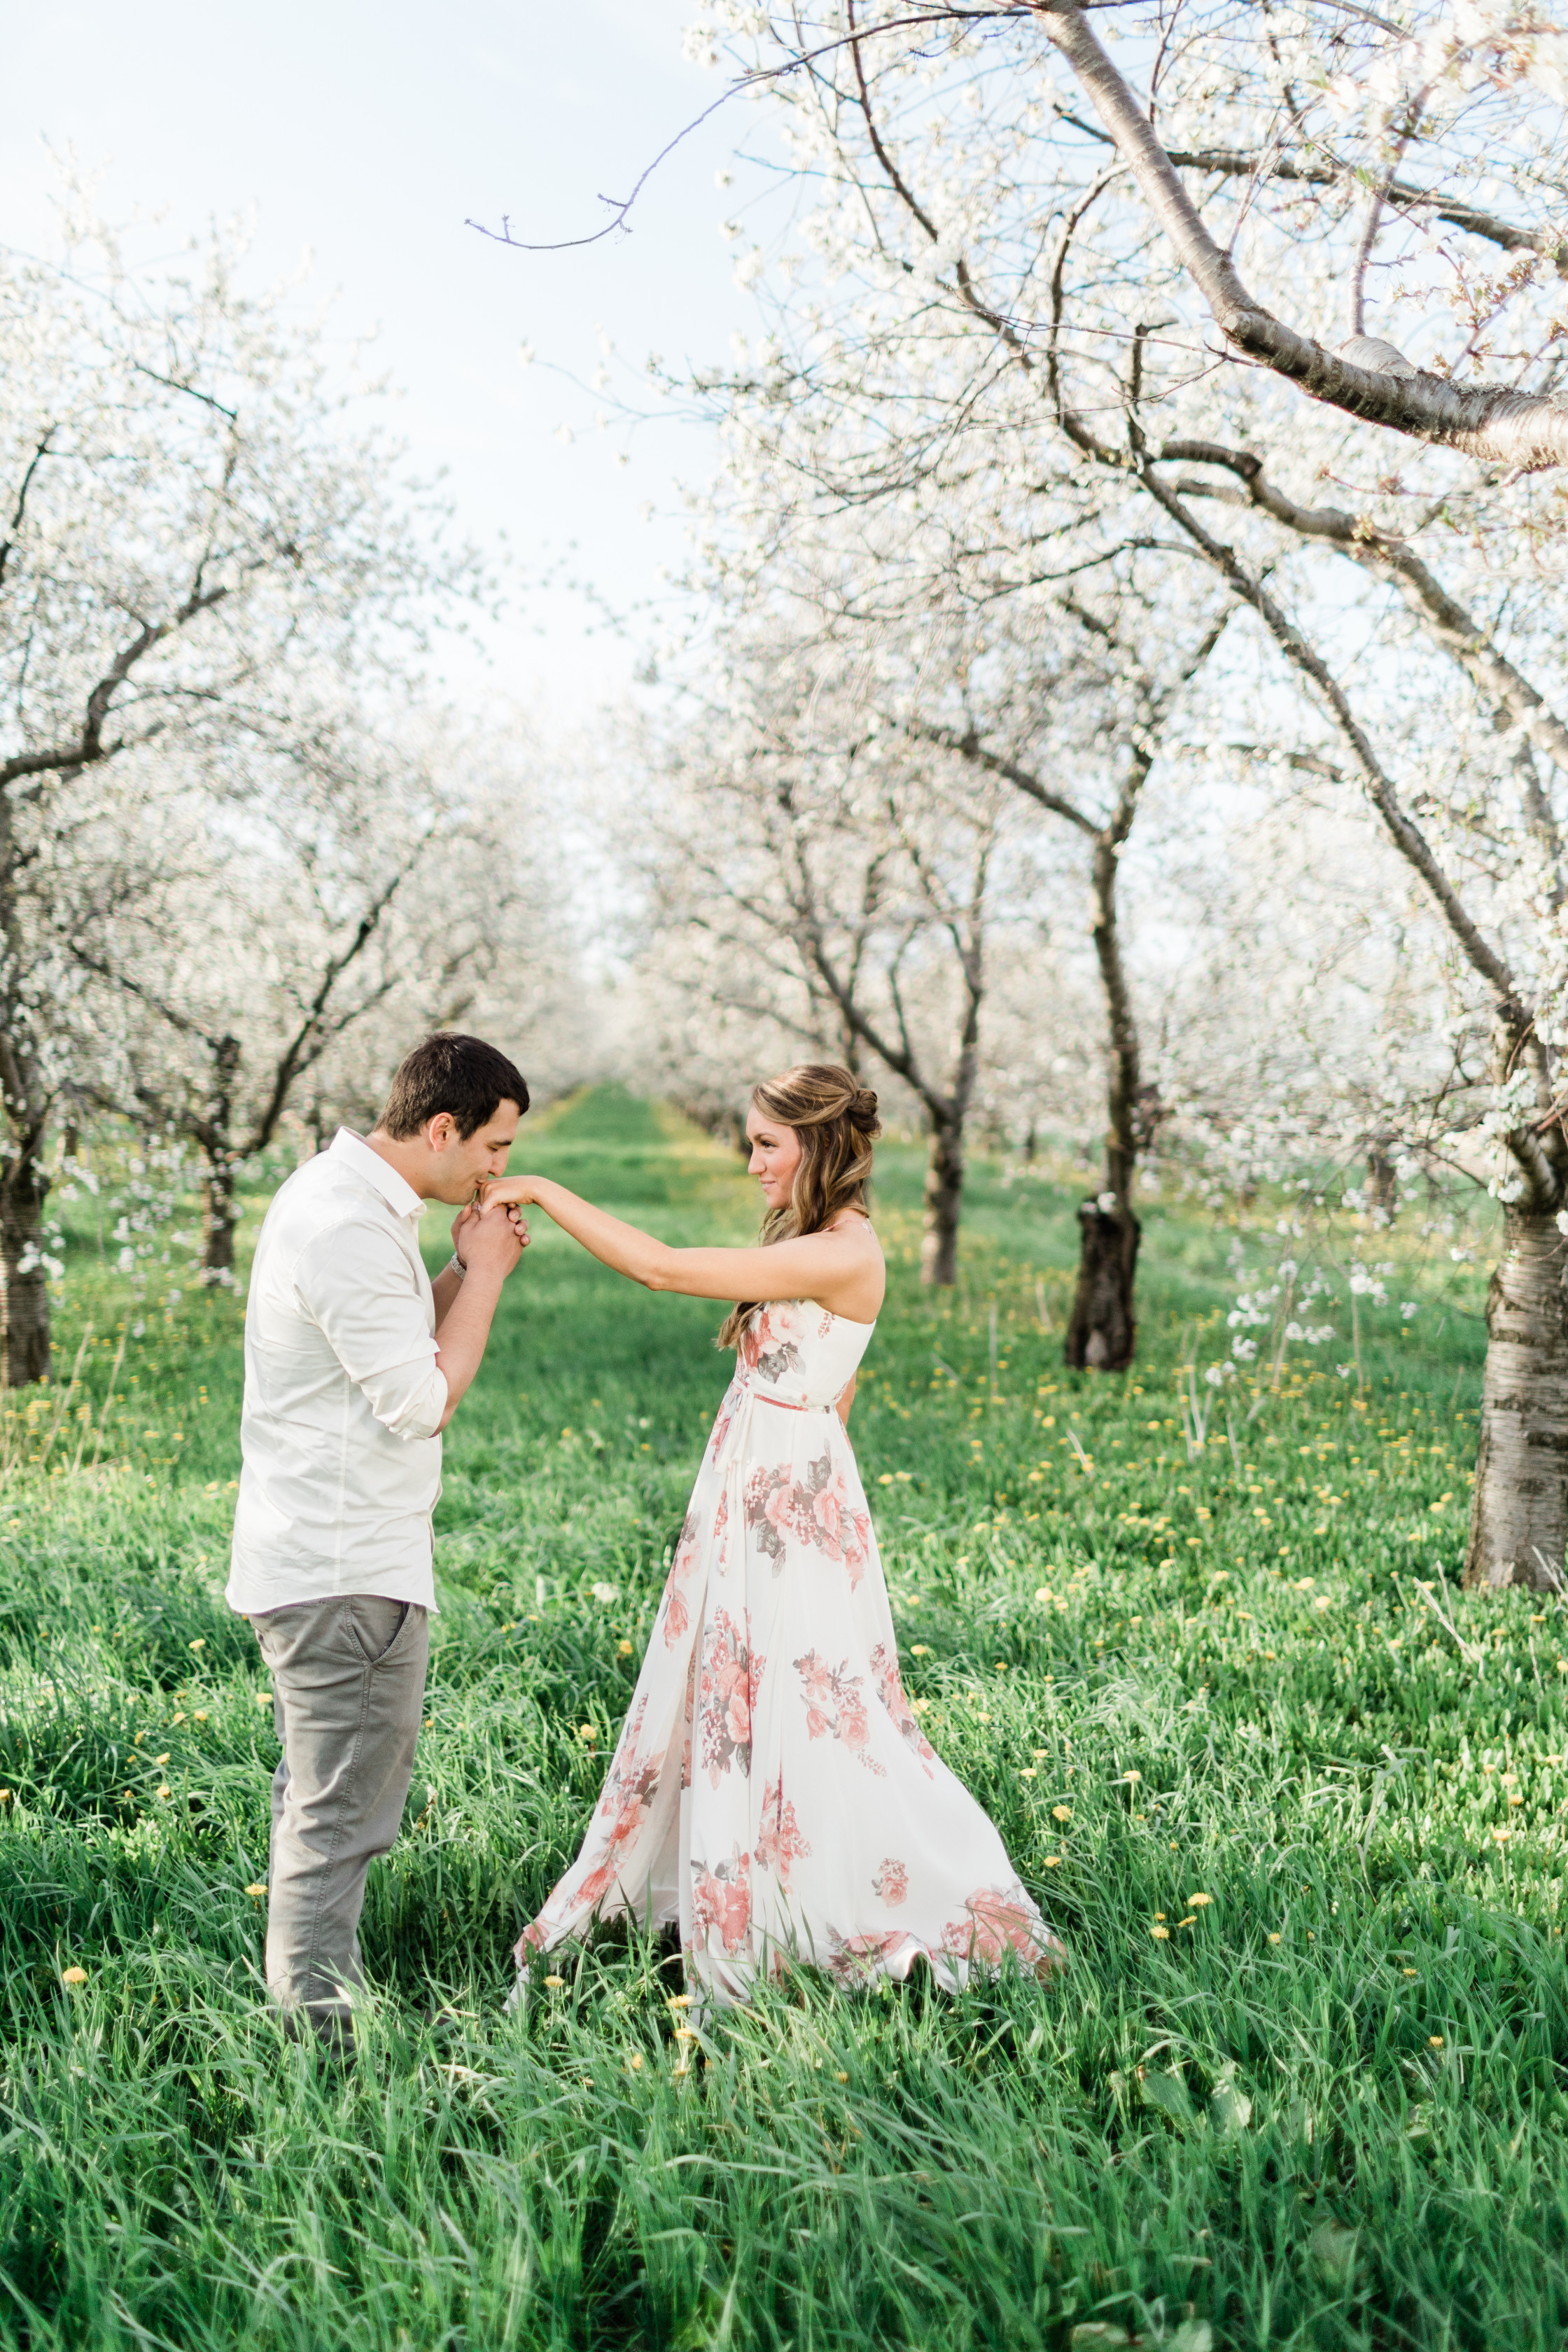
[(461, 1223), (496, 1238)]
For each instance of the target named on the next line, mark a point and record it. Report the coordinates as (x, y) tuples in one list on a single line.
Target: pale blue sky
[(364, 135)]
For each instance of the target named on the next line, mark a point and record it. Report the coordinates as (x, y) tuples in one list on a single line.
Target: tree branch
[(1491, 422), (1456, 630)]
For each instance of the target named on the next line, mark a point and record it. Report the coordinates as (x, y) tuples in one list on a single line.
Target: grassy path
[(1305, 2085)]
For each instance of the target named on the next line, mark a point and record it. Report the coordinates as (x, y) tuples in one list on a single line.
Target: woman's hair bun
[(863, 1109)]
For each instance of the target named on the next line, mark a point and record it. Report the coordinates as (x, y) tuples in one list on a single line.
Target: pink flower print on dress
[(834, 1704), (726, 1698), (721, 1534), (722, 1898), (817, 1509), (779, 1841), (890, 1691), (690, 1705), (765, 1350), (622, 1810), (727, 1411), (996, 1923), (890, 1883), (677, 1616), (854, 1958)]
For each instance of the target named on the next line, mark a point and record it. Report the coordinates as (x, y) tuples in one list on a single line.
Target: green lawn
[(1303, 2085)]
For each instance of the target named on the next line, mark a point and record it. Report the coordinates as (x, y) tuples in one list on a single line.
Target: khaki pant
[(348, 1686)]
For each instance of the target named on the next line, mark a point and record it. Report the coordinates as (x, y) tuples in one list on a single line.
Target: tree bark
[(23, 1192), (1382, 1191), (219, 1215), (1518, 1515), (943, 1205), (1102, 1329)]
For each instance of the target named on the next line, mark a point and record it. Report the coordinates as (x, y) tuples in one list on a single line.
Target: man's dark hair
[(462, 1075)]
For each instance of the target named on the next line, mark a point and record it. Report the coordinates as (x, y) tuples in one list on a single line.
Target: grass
[(1325, 2107)]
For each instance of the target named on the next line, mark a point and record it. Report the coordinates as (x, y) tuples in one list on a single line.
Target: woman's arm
[(846, 1400), (811, 1267)]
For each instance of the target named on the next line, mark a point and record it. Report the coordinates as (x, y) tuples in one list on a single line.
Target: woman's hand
[(521, 1191)]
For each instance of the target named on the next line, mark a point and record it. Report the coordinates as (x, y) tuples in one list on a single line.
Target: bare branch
[(1519, 430)]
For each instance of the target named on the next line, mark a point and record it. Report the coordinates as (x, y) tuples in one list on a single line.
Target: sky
[(363, 138)]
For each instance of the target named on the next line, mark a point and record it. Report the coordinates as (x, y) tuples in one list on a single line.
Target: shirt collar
[(355, 1152)]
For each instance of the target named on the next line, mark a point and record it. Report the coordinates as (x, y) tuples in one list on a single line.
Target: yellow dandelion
[(255, 1888), (1199, 1902), (5, 1796), (556, 1984), (1062, 1813), (635, 2062), (678, 2000), (1190, 1921), (165, 1791), (1274, 1939), (983, 1718), (73, 1976), (1408, 1972), (1434, 2042), (1133, 1778), (1053, 1862), (198, 1646), (1028, 1773), (919, 1650), (622, 1649), (200, 1715), (1161, 1935), (164, 1758), (264, 1698), (587, 1731)]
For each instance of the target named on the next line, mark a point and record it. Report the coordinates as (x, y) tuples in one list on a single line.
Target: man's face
[(461, 1162)]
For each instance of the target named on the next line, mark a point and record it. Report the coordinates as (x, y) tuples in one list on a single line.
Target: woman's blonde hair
[(836, 1119)]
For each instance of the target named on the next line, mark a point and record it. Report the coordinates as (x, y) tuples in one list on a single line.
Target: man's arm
[(492, 1247), (449, 1282)]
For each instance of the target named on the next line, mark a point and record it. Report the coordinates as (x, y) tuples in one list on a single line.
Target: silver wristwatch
[(455, 1265)]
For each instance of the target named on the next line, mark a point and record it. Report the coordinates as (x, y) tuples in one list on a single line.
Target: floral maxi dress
[(771, 1789)]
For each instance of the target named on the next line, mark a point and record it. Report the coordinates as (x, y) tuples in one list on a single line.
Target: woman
[(771, 1789)]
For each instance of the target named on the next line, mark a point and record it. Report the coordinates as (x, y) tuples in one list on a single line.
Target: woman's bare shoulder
[(854, 1227)]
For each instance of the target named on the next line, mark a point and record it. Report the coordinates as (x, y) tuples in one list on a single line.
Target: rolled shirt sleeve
[(359, 1287)]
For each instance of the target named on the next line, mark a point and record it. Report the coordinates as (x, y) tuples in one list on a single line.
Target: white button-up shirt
[(343, 1398)]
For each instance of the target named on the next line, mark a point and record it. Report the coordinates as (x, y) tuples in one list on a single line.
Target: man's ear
[(441, 1130)]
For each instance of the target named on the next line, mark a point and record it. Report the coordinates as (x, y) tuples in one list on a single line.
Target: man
[(353, 1365)]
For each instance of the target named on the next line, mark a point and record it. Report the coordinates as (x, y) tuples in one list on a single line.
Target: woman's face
[(776, 1156)]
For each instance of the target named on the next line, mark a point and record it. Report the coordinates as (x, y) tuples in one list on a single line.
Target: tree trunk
[(26, 1291), (1518, 1515), (219, 1216), (1382, 1192), (943, 1202), (1102, 1330)]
